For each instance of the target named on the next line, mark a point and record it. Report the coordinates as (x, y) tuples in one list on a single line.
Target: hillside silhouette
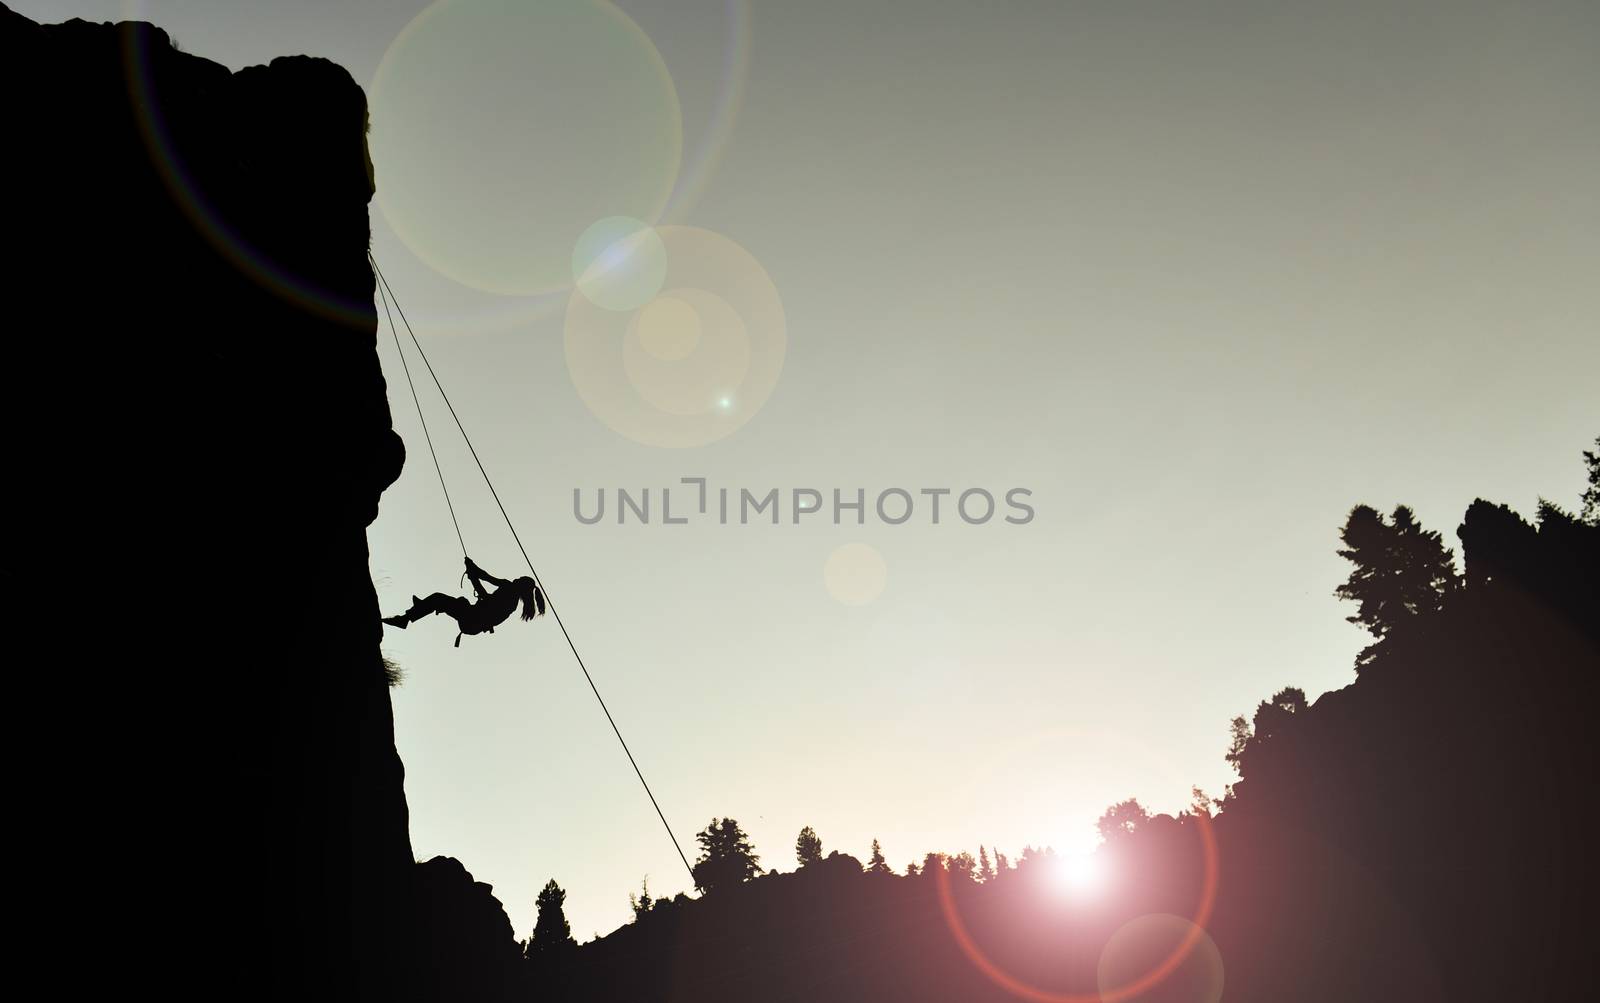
[(196, 332), (1421, 834), (1418, 835)]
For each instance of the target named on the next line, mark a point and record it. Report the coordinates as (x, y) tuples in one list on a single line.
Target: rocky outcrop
[(201, 435), (467, 945)]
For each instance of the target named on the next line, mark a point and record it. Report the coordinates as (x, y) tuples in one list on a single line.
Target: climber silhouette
[(483, 615)]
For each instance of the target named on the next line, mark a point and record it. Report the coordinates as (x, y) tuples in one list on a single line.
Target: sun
[(1078, 874)]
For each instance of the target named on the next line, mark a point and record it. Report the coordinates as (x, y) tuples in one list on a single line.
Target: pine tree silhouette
[(552, 935), (726, 856), (876, 864), (807, 847), (1401, 572)]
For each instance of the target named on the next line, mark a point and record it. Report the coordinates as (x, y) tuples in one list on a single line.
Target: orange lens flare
[(1117, 994)]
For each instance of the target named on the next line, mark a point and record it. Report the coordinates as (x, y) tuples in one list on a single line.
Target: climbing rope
[(388, 296), (422, 417)]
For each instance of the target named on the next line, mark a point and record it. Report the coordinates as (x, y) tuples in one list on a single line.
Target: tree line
[(1376, 769)]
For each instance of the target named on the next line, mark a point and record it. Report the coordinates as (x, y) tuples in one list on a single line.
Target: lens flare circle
[(668, 328), (855, 574), (1138, 945), (686, 351), (696, 361), (1134, 985), (619, 263), (501, 130), (709, 114)]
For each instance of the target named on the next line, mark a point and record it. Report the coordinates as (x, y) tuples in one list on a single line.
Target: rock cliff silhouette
[(200, 433)]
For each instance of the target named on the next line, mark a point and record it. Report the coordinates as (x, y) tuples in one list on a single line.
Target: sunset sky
[(1199, 276)]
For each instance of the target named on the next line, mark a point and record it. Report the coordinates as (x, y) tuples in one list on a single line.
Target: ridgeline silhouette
[(1422, 834), (202, 374)]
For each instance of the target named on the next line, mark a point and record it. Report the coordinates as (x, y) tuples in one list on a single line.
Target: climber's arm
[(479, 576)]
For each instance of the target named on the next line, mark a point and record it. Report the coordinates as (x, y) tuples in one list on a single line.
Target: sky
[(1196, 276)]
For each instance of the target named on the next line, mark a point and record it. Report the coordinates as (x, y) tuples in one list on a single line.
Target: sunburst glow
[(1079, 875)]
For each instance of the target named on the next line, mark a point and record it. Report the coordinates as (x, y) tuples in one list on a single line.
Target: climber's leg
[(455, 607)]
